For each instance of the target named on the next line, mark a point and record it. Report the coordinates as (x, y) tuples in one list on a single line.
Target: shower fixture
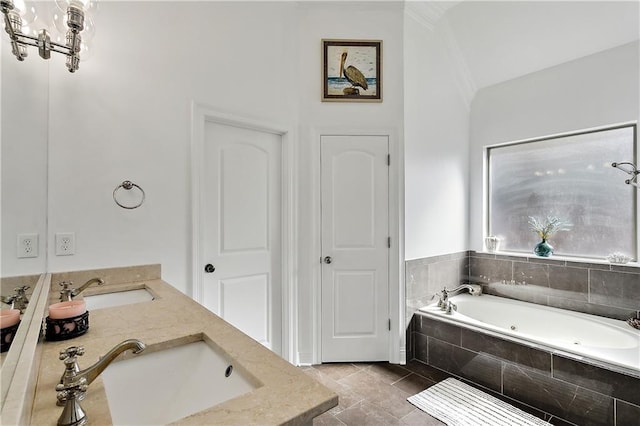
[(16, 23), (630, 169)]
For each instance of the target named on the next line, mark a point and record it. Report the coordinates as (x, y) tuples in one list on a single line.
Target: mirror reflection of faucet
[(68, 293), (69, 318), (18, 300)]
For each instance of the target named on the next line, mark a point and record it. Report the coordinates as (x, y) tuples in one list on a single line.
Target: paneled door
[(241, 230), (355, 248)]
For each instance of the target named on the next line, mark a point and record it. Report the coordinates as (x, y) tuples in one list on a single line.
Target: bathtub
[(588, 337)]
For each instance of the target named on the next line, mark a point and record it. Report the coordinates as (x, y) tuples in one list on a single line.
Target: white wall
[(592, 91), (335, 20), (436, 126), (23, 142), (126, 115)]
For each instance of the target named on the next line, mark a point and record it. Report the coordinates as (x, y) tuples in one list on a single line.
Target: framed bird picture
[(351, 70)]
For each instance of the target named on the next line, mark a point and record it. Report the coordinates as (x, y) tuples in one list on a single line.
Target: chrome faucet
[(67, 293), (474, 289), (75, 382), (443, 296), (19, 300)]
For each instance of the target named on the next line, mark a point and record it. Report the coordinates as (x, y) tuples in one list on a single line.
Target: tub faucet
[(443, 298), (450, 307), (68, 293), (474, 289), (75, 382)]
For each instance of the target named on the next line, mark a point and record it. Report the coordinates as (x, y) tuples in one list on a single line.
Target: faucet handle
[(65, 285), (71, 353), (20, 291)]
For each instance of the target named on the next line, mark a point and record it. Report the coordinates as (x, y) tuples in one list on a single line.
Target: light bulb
[(88, 6), (27, 11)]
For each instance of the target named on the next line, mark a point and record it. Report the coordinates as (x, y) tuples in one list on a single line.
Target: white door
[(241, 225), (355, 251)]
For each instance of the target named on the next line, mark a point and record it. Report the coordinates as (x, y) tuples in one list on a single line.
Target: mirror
[(24, 93)]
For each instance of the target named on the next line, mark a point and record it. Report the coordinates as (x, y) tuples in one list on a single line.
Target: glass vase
[(543, 249)]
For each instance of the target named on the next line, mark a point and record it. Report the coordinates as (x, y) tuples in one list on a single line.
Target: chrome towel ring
[(128, 185)]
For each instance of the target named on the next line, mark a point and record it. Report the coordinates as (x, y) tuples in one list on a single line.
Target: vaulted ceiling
[(502, 40)]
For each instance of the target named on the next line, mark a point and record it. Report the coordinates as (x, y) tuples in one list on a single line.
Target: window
[(569, 177)]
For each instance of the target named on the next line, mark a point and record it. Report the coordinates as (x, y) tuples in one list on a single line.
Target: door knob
[(209, 268), (328, 260)]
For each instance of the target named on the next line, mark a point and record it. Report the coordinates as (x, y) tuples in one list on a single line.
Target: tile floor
[(373, 394)]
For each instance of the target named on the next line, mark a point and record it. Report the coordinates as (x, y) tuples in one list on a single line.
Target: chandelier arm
[(19, 40), (9, 26)]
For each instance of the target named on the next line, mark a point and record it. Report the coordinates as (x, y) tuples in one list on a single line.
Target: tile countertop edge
[(170, 317)]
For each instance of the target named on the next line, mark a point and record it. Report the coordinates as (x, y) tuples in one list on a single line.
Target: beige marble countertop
[(285, 396)]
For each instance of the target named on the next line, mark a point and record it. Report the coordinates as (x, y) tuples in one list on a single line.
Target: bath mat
[(458, 404)]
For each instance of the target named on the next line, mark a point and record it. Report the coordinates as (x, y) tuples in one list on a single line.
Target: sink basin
[(165, 386), (109, 300)]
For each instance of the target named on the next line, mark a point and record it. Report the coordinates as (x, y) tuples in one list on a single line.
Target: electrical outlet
[(65, 244), (27, 245)]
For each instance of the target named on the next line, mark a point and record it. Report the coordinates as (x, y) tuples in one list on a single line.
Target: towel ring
[(128, 185)]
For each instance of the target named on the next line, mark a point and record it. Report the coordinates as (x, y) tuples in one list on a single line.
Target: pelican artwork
[(353, 76)]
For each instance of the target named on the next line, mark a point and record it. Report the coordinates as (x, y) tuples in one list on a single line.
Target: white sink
[(119, 298), (165, 386)]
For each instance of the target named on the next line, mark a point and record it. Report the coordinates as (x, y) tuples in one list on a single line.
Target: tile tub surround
[(286, 395), (424, 277), (594, 288), (559, 387), (602, 289)]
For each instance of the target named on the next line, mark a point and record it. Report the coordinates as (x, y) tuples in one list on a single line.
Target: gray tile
[(591, 308), (388, 373), (597, 379), (337, 371), (567, 401), (627, 414), (569, 283), (413, 384), (419, 418), (444, 274), (365, 413), (525, 293), (485, 270), (611, 288), (327, 419), (426, 371), (478, 368), (393, 400), (520, 354), (525, 273), (438, 329), (420, 351), (347, 397)]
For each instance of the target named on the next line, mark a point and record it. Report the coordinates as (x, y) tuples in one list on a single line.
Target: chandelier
[(69, 43)]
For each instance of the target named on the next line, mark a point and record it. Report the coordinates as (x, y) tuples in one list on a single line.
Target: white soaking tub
[(587, 336)]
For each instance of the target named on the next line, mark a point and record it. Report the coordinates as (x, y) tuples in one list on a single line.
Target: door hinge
[(389, 242), (388, 159), (389, 324)]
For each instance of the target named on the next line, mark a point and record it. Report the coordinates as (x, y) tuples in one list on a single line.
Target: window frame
[(487, 186)]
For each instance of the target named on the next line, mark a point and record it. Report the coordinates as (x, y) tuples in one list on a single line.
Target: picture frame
[(351, 70)]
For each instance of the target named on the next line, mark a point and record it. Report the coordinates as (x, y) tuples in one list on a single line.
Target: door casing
[(397, 344), (200, 114)]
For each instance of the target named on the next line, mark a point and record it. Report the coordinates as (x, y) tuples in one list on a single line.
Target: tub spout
[(473, 289)]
